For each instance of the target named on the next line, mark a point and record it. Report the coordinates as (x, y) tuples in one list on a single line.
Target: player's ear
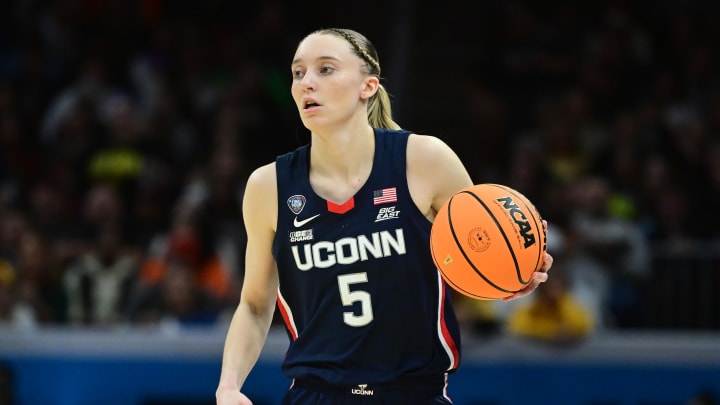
[(369, 87)]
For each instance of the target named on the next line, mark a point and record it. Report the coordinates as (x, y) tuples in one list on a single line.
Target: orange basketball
[(487, 240)]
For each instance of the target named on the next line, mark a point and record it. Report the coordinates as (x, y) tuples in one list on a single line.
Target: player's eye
[(298, 73), (326, 70)]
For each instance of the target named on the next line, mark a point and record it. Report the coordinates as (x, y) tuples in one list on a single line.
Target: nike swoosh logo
[(298, 224)]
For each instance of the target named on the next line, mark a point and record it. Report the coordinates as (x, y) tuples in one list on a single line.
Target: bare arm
[(435, 173), (252, 318)]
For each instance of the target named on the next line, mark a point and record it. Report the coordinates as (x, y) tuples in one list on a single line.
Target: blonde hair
[(379, 108)]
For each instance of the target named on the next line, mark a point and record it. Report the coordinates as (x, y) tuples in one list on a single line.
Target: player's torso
[(357, 283)]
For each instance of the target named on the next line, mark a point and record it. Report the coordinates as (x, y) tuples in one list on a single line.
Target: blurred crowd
[(128, 128)]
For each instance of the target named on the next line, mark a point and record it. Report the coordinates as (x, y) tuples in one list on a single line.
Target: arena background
[(128, 128)]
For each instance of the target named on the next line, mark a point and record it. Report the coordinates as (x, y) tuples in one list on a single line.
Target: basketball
[(487, 240)]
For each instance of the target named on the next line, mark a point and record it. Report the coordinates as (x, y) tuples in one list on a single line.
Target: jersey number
[(350, 297)]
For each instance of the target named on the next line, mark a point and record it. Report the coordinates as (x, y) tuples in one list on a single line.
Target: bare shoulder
[(434, 172), (263, 176), (427, 147), (429, 154), (261, 193)]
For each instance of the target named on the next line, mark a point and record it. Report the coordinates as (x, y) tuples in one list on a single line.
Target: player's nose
[(308, 82)]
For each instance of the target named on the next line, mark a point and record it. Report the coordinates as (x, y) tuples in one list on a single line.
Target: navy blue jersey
[(359, 292)]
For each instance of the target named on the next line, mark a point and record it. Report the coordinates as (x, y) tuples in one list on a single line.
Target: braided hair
[(379, 109)]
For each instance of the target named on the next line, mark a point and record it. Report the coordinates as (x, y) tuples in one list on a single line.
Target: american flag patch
[(386, 195)]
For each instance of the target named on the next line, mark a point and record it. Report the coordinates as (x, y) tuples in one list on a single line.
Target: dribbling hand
[(538, 277)]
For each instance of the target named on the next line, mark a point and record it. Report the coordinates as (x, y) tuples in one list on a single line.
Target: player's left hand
[(538, 277)]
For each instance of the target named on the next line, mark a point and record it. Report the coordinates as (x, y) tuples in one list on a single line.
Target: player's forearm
[(244, 341)]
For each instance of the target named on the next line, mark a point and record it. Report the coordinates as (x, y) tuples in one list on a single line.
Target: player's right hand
[(231, 397)]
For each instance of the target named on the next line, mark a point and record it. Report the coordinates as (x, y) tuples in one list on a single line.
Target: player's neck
[(342, 152), (341, 164)]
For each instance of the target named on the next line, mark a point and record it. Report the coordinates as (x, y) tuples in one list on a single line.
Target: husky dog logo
[(296, 203)]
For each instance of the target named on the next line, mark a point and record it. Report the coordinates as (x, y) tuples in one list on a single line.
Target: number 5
[(349, 297)]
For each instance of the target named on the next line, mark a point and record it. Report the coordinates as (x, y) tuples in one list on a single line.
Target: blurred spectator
[(102, 207), (186, 247), (153, 197), (524, 171), (564, 157), (98, 283), (120, 160), (79, 98), (38, 293), (477, 317), (66, 155), (7, 284), (12, 226), (19, 163), (711, 228), (53, 215), (552, 315), (488, 117), (178, 299), (215, 194), (609, 255)]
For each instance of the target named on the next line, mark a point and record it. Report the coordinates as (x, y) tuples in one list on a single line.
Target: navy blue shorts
[(313, 392)]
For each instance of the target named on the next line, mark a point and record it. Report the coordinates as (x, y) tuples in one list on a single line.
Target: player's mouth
[(309, 104)]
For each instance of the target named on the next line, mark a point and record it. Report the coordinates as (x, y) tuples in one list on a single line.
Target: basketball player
[(338, 238)]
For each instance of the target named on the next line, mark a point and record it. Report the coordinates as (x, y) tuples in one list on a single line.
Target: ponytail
[(379, 110)]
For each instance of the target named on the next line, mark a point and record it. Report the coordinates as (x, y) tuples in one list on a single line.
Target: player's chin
[(308, 123), (314, 123)]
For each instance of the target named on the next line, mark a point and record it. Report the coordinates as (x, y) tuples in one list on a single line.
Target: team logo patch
[(298, 223), (362, 389), (386, 213), (296, 203), (301, 236)]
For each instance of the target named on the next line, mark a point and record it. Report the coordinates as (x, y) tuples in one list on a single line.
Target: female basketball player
[(338, 237)]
